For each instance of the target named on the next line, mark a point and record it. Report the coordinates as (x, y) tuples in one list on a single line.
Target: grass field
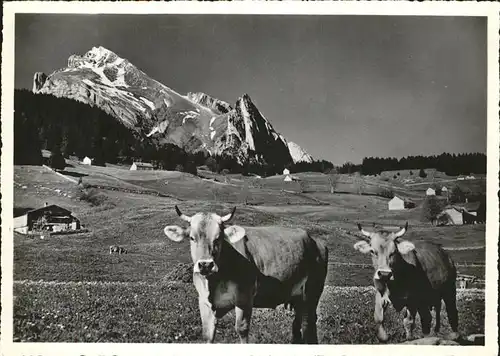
[(141, 312), (131, 289)]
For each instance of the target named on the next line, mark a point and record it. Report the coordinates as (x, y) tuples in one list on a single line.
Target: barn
[(450, 216), (396, 203), (46, 154), (48, 218), (87, 161), (286, 172), (430, 191), (287, 178), (141, 166)]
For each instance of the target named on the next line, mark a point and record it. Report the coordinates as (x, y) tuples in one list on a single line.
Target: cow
[(416, 275), (243, 268), (116, 249)]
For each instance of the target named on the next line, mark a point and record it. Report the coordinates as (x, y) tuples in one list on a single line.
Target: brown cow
[(253, 267), (413, 275)]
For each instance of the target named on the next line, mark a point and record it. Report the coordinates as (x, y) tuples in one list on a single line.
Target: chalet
[(87, 161), (450, 215), (141, 166), (396, 203), (430, 191), (51, 218), (46, 154), (286, 172)]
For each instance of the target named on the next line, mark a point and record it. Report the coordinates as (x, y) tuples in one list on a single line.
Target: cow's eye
[(373, 252), (191, 237)]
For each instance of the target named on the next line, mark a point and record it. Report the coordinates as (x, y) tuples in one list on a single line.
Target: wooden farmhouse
[(51, 218), (396, 203), (141, 166)]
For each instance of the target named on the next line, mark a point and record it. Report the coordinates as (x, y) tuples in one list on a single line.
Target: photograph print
[(250, 178)]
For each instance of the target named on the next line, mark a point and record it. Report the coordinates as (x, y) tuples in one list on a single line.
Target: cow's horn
[(229, 216), (183, 217), (364, 232), (401, 232)]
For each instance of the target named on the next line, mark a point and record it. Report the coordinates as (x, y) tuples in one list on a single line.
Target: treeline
[(451, 164), (226, 163), (67, 127)]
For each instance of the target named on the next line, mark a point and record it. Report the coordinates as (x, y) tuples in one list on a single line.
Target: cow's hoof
[(382, 335)]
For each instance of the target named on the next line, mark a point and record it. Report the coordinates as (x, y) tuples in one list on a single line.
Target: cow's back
[(434, 262), (280, 252)]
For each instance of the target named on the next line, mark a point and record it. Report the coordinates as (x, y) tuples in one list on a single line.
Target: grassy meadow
[(140, 304)]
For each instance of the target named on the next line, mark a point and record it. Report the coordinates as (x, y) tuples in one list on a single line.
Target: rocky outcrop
[(474, 339), (38, 81), (216, 105)]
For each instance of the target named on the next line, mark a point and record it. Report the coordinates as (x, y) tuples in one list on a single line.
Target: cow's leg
[(298, 307), (437, 308), (450, 300), (208, 321), (242, 326), (381, 303), (409, 322), (425, 319)]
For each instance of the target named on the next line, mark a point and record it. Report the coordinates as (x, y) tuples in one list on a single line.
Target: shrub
[(395, 176), (94, 197), (422, 173), (431, 208), (57, 161), (411, 173), (386, 193)]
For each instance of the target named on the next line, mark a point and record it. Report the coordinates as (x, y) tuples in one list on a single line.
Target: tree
[(57, 160), (457, 195), (431, 208), (333, 179), (422, 173)]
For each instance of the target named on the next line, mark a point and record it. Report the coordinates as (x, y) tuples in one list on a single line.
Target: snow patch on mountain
[(148, 103), (298, 153)]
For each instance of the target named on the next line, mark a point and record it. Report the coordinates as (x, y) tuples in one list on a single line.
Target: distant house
[(87, 161), (444, 189), (396, 203), (461, 178), (141, 166), (46, 154), (286, 172), (470, 177), (430, 191), (450, 216), (288, 178), (51, 218)]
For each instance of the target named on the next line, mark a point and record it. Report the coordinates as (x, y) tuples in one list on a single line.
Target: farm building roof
[(143, 164), (51, 207)]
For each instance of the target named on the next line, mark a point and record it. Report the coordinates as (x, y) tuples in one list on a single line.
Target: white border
[(252, 7)]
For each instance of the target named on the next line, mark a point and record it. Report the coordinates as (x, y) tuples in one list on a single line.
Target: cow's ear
[(234, 233), (362, 246), (175, 233), (405, 246)]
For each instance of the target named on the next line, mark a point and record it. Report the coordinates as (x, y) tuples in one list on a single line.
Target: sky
[(342, 87)]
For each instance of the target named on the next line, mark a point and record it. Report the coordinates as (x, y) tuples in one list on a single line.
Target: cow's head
[(386, 249), (207, 231)]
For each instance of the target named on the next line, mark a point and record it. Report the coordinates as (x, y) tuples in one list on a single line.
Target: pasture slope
[(141, 305)]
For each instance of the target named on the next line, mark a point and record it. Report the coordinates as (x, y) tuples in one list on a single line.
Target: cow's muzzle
[(384, 275), (205, 267)]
